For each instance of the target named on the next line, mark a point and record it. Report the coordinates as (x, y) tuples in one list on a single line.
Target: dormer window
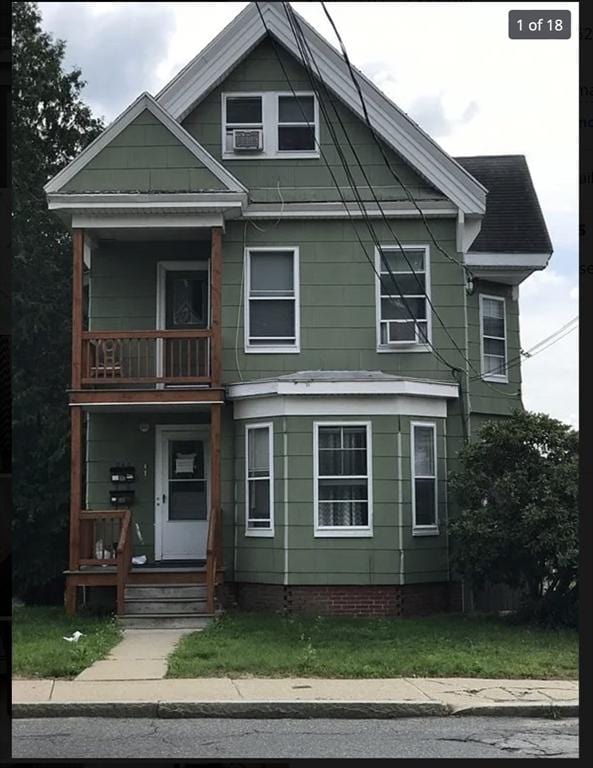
[(268, 125)]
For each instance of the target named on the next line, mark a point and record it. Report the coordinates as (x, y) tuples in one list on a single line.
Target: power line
[(410, 196), (353, 187), (307, 55), (549, 341)]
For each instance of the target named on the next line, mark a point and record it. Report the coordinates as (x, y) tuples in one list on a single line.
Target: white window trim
[(432, 529), (403, 348), (359, 531), (494, 377), (269, 126), (275, 349), (260, 532)]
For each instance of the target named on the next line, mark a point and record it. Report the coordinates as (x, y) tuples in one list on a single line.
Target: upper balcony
[(177, 360)]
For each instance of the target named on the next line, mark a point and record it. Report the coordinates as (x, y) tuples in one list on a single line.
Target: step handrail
[(124, 559), (211, 560)]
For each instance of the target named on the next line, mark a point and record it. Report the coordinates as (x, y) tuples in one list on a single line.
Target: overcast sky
[(451, 66)]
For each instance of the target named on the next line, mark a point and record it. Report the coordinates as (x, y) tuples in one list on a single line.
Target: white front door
[(182, 493)]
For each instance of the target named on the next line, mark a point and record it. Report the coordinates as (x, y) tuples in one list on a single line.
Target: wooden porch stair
[(165, 606)]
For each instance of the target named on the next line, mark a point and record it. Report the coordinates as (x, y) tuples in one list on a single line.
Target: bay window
[(342, 479)]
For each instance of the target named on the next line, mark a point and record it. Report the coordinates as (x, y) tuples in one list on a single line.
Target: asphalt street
[(77, 738)]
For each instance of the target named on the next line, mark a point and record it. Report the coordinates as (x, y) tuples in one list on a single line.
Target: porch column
[(77, 305), (75, 416), (215, 430), (75, 502), (216, 294)]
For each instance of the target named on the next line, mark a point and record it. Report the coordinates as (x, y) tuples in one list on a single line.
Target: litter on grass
[(74, 637)]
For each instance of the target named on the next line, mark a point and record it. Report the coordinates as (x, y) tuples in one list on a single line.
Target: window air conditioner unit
[(250, 140)]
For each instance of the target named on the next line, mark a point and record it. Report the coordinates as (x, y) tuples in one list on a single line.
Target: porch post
[(77, 305), (216, 293), (215, 430), (75, 502), (75, 417)]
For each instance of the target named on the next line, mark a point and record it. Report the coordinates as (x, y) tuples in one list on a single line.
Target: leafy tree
[(517, 491), (50, 126)]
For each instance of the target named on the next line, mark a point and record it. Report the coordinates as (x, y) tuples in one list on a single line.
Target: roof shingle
[(513, 222)]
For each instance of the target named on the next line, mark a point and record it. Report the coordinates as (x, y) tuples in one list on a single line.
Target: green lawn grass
[(38, 647), (249, 645)]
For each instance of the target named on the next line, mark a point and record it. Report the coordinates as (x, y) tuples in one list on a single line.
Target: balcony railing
[(124, 358)]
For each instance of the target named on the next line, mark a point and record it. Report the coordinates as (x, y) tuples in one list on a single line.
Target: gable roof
[(144, 102), (391, 124), (514, 222)]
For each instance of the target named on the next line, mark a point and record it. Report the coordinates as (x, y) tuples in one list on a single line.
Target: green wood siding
[(144, 157), (116, 437), (337, 300), (319, 560), (488, 397), (301, 179), (123, 281)]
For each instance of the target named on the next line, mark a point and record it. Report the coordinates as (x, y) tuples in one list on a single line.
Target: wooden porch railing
[(124, 559), (146, 357), (212, 558), (105, 539)]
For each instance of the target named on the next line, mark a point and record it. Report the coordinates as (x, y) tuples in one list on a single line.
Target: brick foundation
[(344, 600)]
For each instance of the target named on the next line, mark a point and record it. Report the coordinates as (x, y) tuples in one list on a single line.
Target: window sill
[(276, 156), (404, 348), (335, 533), (426, 531), (495, 379), (272, 350), (261, 534)]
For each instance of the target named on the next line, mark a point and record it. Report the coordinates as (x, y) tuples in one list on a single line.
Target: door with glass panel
[(182, 495), (183, 306)]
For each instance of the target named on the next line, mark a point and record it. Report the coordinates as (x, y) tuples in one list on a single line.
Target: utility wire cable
[(380, 146), (307, 55), (436, 353), (537, 348)]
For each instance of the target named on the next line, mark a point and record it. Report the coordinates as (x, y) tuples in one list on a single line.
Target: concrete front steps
[(165, 606)]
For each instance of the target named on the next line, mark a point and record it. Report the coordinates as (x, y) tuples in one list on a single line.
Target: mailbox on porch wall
[(123, 474), (121, 498)]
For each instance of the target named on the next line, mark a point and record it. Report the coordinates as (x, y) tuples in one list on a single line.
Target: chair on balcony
[(106, 359)]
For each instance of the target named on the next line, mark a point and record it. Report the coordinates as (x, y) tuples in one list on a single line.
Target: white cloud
[(549, 300)]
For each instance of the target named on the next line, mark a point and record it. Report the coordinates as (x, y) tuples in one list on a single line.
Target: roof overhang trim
[(392, 125)]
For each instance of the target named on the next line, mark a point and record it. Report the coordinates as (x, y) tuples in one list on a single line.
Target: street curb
[(146, 709), (351, 710), (550, 709)]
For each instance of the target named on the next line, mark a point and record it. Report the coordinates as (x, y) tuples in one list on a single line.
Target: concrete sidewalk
[(304, 697)]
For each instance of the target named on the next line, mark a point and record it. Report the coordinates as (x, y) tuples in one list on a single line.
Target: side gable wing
[(144, 150)]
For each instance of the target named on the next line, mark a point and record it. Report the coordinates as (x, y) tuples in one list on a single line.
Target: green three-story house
[(286, 323)]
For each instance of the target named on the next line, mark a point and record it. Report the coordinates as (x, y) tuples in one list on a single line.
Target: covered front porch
[(150, 509)]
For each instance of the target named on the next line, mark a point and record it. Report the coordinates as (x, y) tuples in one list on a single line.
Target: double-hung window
[(270, 124), (296, 123), (493, 338), (259, 475), (424, 477), (403, 292), (271, 300), (244, 115), (342, 479)]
